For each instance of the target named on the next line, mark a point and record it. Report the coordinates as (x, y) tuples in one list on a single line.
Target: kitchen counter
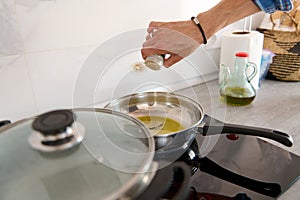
[(276, 106)]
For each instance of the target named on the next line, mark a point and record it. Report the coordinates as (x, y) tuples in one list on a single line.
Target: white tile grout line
[(25, 58), (49, 50), (24, 53)]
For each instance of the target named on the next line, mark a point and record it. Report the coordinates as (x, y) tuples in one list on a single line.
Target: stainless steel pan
[(189, 114)]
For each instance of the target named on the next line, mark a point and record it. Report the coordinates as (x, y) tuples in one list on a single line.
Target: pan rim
[(167, 95)]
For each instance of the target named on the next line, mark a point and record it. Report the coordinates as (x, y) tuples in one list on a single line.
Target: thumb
[(174, 58)]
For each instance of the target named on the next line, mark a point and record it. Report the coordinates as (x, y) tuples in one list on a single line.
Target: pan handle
[(213, 127), (208, 166)]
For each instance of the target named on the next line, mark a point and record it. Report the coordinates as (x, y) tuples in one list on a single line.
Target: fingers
[(174, 58), (153, 46), (164, 38), (154, 26), (153, 29), (169, 60), (148, 37), (151, 51), (151, 34)]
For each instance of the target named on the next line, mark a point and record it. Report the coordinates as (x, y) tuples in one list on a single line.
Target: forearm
[(225, 13), (179, 39)]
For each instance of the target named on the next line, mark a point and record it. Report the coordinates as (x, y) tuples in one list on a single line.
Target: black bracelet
[(196, 21)]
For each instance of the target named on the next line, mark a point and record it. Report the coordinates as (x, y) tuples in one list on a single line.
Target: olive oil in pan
[(160, 125), (237, 96)]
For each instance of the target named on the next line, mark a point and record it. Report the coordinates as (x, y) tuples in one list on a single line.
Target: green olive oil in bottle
[(236, 88)]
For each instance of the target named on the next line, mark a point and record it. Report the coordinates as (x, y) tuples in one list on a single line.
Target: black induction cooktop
[(250, 157)]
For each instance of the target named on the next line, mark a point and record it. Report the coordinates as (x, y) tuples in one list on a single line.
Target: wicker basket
[(286, 46)]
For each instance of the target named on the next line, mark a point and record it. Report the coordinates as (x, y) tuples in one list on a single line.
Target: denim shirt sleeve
[(270, 6)]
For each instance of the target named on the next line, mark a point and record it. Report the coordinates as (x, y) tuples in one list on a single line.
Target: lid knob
[(54, 131), (54, 122)]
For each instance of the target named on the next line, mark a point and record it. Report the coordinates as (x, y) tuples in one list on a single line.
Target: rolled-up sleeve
[(270, 6)]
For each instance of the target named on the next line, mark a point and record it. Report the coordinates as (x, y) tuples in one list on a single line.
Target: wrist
[(209, 26), (197, 23)]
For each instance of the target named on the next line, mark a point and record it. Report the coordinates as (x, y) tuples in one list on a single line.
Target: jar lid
[(104, 165), (242, 54)]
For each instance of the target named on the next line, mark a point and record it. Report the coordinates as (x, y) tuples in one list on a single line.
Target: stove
[(248, 156)]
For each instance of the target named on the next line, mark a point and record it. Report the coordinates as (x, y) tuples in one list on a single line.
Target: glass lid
[(74, 155)]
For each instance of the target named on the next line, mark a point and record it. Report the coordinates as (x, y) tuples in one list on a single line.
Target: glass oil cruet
[(235, 88)]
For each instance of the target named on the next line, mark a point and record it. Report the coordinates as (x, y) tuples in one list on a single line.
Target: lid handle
[(54, 122), (54, 131)]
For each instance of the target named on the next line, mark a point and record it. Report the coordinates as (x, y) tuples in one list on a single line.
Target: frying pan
[(189, 114), (194, 121)]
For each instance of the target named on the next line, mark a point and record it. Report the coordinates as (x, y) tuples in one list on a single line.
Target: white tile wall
[(53, 75), (56, 24), (44, 42), (10, 38), (16, 99)]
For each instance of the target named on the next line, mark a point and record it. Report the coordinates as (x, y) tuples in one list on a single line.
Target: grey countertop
[(276, 106)]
